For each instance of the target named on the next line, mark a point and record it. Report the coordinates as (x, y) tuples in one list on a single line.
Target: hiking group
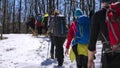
[(37, 25), (83, 34)]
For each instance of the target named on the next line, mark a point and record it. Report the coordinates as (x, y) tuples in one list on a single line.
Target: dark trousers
[(52, 47), (110, 60), (39, 29), (59, 51), (81, 60)]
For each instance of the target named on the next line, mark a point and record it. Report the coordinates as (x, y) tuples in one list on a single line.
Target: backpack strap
[(113, 30), (106, 41)]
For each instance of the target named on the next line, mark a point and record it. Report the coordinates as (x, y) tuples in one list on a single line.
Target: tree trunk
[(65, 5), (43, 6), (36, 7), (57, 3), (4, 16), (83, 6), (13, 20), (25, 17), (69, 14), (1, 18), (50, 6), (40, 8), (19, 20)]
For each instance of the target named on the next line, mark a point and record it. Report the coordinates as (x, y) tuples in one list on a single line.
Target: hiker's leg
[(113, 60), (59, 50), (77, 56), (84, 61), (104, 61), (38, 28), (52, 47)]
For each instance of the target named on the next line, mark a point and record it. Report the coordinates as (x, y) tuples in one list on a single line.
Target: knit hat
[(46, 15), (56, 12), (78, 12)]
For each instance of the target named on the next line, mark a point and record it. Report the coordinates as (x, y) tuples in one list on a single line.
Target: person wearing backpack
[(79, 32), (31, 24), (45, 23), (50, 32), (38, 24), (59, 33), (101, 24)]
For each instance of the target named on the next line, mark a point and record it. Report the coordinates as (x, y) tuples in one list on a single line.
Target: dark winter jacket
[(31, 22), (98, 26)]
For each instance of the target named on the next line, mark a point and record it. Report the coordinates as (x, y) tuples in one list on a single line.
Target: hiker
[(31, 24), (79, 32), (50, 32), (59, 35), (38, 24), (110, 58), (45, 23)]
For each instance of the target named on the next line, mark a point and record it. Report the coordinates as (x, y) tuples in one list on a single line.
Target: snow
[(27, 51)]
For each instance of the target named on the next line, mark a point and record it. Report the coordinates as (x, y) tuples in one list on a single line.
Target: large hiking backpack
[(113, 25), (83, 30), (59, 26)]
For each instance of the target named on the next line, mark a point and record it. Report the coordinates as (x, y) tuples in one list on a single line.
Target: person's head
[(78, 12), (105, 3), (56, 12), (46, 15)]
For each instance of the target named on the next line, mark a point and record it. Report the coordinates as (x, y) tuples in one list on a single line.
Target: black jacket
[(98, 26)]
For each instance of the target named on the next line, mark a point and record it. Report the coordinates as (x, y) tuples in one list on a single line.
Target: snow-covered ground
[(26, 51)]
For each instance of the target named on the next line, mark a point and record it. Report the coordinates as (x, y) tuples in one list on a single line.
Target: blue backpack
[(39, 19), (83, 30)]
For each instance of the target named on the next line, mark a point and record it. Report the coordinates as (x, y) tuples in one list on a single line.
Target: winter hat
[(78, 12), (46, 15), (56, 12)]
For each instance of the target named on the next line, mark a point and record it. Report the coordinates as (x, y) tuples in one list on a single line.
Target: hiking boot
[(60, 62), (52, 56)]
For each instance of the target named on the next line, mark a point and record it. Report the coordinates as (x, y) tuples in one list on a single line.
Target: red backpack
[(113, 25)]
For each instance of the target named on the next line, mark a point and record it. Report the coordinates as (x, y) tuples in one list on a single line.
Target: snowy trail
[(18, 50), (26, 51)]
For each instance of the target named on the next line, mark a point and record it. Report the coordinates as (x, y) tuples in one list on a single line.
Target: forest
[(14, 13)]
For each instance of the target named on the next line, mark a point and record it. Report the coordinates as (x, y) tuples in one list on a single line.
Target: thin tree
[(4, 15), (25, 17), (0, 18), (19, 20), (36, 6), (57, 3), (50, 6), (13, 19), (7, 16), (40, 7), (43, 6)]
